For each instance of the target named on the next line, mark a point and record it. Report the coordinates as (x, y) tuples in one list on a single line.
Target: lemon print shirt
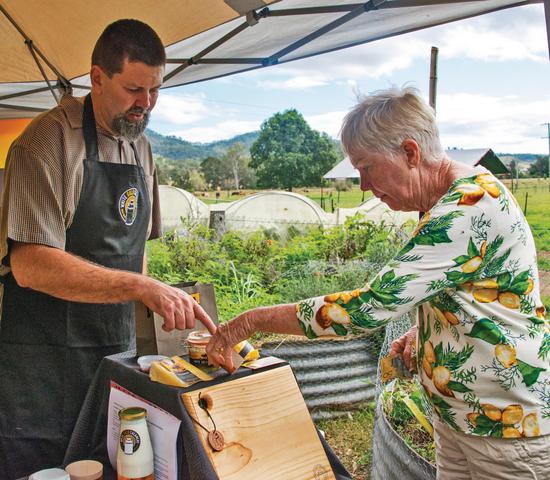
[(483, 341)]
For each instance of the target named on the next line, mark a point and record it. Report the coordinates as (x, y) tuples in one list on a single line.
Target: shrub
[(250, 269)]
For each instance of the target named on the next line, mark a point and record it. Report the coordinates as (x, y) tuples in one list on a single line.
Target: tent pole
[(433, 77), (362, 8), (252, 19), (22, 108), (31, 49), (61, 78)]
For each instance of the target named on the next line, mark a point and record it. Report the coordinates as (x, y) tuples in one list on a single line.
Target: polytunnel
[(274, 209), (178, 206), (377, 211)]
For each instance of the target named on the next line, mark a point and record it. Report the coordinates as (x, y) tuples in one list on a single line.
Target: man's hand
[(179, 309), (405, 347)]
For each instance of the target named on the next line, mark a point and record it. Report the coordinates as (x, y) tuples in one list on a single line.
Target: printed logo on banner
[(128, 205)]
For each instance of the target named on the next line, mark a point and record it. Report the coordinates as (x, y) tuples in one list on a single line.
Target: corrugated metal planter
[(335, 376), (392, 458)]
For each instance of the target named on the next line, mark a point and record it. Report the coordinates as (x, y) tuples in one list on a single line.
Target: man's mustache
[(137, 111)]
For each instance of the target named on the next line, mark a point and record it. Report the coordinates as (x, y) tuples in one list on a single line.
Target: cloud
[(180, 109), (329, 122), (511, 123), (218, 131), (507, 124), (298, 82)]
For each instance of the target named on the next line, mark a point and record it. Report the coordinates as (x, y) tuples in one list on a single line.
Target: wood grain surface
[(267, 429)]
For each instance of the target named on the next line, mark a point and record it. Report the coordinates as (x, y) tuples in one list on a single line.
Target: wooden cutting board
[(267, 429)]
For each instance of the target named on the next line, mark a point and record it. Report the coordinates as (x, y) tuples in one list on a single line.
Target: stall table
[(89, 438)]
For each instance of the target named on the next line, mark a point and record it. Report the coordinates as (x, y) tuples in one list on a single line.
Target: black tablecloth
[(89, 439)]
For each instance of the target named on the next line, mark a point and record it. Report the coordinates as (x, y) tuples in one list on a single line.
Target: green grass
[(538, 209), (350, 437)]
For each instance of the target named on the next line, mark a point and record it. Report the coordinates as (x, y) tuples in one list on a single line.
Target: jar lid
[(85, 470), (132, 413), (199, 337), (50, 474)]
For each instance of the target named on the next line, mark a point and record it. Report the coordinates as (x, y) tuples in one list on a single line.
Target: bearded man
[(80, 201)]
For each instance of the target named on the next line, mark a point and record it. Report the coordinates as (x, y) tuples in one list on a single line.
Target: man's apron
[(51, 348)]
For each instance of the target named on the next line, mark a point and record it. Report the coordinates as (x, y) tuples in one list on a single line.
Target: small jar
[(197, 342), (85, 470), (134, 454)]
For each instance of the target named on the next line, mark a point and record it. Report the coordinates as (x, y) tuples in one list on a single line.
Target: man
[(80, 201)]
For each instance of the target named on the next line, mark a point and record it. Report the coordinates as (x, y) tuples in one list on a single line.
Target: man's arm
[(144, 268), (66, 276)]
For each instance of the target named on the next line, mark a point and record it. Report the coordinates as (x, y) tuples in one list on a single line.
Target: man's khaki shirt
[(44, 173)]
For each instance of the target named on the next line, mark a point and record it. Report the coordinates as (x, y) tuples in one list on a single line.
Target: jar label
[(129, 441)]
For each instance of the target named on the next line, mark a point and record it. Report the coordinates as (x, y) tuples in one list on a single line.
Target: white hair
[(380, 123)]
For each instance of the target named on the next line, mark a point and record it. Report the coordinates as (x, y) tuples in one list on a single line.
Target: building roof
[(471, 156)]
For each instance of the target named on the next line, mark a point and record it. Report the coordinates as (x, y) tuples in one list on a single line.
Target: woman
[(483, 344)]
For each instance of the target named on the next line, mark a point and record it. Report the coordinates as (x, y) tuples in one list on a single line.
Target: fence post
[(217, 223), (525, 206)]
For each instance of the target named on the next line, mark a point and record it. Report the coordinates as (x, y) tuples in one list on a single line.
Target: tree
[(288, 153), (214, 171), (539, 168), (236, 161)]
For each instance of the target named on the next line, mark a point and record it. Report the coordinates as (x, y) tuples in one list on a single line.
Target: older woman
[(483, 345)]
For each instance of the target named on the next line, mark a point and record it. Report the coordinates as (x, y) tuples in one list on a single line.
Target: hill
[(176, 148)]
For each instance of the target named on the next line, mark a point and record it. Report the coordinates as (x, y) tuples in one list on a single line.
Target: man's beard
[(131, 130)]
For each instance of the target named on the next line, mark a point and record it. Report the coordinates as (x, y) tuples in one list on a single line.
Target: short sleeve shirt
[(44, 174), (483, 340)]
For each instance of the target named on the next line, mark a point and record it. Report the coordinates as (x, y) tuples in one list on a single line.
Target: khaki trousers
[(467, 457)]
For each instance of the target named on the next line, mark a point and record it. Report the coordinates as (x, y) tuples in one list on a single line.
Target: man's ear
[(412, 152), (97, 77)]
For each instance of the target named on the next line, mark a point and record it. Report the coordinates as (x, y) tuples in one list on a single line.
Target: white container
[(50, 474), (134, 453)]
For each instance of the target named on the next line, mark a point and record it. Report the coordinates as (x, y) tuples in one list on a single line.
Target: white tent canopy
[(208, 39)]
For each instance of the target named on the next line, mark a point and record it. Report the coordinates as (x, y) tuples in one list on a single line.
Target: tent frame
[(253, 17)]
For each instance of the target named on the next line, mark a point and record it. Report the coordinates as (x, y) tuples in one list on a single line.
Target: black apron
[(50, 348)]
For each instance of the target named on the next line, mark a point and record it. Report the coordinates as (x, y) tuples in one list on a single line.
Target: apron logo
[(128, 205)]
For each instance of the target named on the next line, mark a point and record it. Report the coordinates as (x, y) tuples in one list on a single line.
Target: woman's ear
[(412, 152)]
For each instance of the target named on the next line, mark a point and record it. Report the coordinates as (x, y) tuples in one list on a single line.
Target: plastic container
[(50, 474), (146, 361), (134, 453), (85, 470)]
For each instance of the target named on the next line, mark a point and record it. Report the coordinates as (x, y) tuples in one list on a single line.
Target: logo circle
[(129, 441), (128, 205)]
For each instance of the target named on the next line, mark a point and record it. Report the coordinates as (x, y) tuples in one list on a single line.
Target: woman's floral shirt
[(483, 342)]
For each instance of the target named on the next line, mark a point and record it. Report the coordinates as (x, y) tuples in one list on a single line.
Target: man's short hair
[(127, 39)]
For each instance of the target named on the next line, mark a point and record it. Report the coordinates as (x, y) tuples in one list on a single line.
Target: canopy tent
[(46, 46), (473, 156)]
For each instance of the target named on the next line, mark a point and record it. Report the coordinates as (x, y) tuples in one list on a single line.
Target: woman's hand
[(405, 347), (220, 347)]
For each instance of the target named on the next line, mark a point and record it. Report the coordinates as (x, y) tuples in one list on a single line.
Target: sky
[(493, 86)]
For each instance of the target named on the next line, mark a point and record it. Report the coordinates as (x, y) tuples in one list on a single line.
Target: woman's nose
[(365, 185)]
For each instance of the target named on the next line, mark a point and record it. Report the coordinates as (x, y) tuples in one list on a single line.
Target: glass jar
[(134, 459), (197, 342)]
